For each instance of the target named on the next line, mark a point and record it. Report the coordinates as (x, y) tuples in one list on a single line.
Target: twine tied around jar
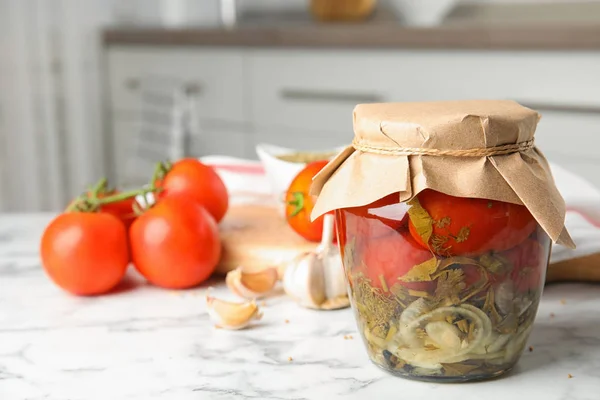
[(419, 151)]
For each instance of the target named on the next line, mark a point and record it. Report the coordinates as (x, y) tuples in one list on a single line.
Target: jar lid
[(476, 148)]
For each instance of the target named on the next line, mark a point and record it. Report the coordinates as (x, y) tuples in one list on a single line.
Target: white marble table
[(146, 343)]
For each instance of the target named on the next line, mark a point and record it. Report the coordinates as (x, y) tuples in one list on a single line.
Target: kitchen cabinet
[(123, 126), (214, 77), (134, 157), (302, 139), (231, 139), (140, 82), (304, 97), (570, 133), (313, 90)]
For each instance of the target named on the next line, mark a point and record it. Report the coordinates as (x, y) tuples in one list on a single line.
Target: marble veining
[(141, 342)]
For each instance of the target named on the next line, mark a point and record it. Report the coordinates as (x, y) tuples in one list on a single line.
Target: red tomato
[(391, 257), (121, 209), (85, 253), (192, 178), (465, 226), (299, 203), (380, 218), (175, 244), (529, 262)]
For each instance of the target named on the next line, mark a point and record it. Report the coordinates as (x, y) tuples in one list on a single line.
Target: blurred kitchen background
[(108, 87)]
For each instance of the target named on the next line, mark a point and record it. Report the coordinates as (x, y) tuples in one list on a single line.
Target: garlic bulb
[(251, 285), (230, 315), (316, 279)]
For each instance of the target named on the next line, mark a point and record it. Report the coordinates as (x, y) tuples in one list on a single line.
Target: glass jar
[(446, 212), (443, 288)]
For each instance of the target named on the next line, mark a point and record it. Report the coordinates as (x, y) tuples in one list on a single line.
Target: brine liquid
[(437, 313)]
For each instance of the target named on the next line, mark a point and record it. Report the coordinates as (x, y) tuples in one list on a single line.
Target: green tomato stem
[(92, 202), (160, 171), (123, 196), (77, 204), (156, 174), (99, 187), (298, 202)]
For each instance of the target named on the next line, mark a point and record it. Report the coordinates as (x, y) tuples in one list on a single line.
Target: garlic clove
[(303, 280), (313, 282), (251, 285), (317, 279), (229, 315), (335, 277)]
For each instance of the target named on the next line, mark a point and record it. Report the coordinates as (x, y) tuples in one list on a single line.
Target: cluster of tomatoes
[(391, 242), (174, 242)]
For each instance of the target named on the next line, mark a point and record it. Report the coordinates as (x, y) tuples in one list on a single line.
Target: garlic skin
[(233, 316), (252, 285), (316, 279), (303, 280), (334, 275)]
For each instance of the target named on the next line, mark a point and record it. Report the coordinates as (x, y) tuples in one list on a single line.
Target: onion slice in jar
[(417, 314)]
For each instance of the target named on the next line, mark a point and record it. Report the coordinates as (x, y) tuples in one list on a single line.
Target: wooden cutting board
[(581, 269), (258, 236)]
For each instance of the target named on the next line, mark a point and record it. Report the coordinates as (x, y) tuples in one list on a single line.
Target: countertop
[(141, 342), (574, 36)]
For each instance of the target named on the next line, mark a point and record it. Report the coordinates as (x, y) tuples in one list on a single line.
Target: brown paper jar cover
[(476, 148)]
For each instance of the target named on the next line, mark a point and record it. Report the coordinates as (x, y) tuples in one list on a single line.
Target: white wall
[(51, 123), (21, 135), (3, 110), (287, 5), (166, 12), (51, 120), (50, 100)]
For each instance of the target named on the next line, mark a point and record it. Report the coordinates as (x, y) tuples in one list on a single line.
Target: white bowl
[(422, 12), (280, 173)]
